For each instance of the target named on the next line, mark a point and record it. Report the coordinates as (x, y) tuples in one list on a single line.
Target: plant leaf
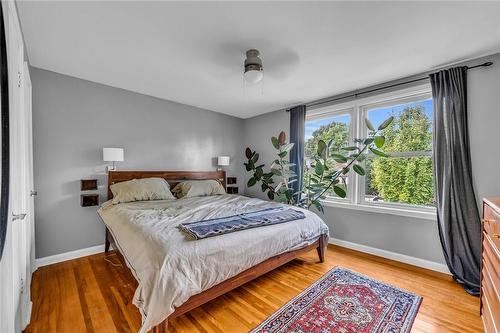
[(321, 148), (379, 141), (270, 195), (255, 157), (282, 138), (251, 182), (386, 123), (287, 147), (339, 158), (369, 124), (282, 154), (276, 172), (275, 142), (259, 172), (378, 152), (361, 157), (367, 141), (359, 170), (350, 148), (248, 153), (251, 164), (339, 191), (318, 206), (319, 169)]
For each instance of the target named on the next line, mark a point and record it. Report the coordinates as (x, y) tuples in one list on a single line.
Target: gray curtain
[(297, 132), (458, 216)]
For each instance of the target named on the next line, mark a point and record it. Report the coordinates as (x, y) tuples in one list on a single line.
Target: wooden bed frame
[(173, 177)]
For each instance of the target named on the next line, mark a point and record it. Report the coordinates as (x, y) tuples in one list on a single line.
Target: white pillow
[(141, 190), (198, 188)]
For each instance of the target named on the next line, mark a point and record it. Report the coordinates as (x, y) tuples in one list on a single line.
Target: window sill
[(423, 213)]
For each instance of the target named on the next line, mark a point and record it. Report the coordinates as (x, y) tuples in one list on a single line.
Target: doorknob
[(18, 216), (33, 193)]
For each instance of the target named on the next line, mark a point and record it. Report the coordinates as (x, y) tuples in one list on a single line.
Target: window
[(334, 126), (402, 181)]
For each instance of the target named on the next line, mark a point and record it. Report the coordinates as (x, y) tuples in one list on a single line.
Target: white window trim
[(420, 212), (358, 110), (339, 110)]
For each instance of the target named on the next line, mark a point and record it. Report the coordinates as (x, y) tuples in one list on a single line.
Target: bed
[(175, 273)]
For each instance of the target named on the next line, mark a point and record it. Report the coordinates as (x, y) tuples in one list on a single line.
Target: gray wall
[(405, 235), (73, 119)]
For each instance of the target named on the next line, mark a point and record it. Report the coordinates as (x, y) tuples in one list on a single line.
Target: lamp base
[(111, 167)]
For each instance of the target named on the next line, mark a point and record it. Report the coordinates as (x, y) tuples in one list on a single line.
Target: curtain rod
[(355, 95)]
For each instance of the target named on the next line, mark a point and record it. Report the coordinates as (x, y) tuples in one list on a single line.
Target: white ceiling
[(193, 52)]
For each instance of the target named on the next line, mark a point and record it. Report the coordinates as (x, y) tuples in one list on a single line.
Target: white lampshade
[(223, 160), (112, 154)]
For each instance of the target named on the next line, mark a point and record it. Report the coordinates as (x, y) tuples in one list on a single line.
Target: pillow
[(198, 188), (141, 190)]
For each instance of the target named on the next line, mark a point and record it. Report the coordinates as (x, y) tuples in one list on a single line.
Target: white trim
[(427, 264), (357, 109), (69, 255), (27, 314), (423, 214)]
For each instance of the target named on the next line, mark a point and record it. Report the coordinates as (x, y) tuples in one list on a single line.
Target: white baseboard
[(431, 265), (434, 266), (69, 255)]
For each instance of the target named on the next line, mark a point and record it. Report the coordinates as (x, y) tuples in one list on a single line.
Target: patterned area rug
[(345, 302)]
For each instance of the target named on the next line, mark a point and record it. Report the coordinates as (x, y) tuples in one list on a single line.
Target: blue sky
[(376, 116), (312, 125)]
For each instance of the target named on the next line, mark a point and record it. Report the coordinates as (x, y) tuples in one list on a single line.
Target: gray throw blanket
[(225, 225)]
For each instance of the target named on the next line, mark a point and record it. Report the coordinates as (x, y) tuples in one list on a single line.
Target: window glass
[(406, 176), (330, 127)]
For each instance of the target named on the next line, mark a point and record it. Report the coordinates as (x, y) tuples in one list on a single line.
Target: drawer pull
[(496, 235), (488, 221)]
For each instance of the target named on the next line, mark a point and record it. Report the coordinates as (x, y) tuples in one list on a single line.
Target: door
[(18, 200), (15, 266), (28, 193)]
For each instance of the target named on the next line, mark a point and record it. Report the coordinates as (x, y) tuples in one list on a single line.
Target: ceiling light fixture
[(254, 71)]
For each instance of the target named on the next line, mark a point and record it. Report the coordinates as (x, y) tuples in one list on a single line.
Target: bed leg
[(321, 248), (106, 242)]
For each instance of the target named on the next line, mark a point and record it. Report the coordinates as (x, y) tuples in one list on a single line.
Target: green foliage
[(335, 132), (405, 179), (276, 189), (328, 163)]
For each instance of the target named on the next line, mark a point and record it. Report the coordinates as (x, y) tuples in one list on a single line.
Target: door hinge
[(19, 79), (22, 286), (16, 217)]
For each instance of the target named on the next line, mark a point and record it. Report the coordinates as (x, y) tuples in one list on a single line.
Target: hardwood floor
[(94, 293)]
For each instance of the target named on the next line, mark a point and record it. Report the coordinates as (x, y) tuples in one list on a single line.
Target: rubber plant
[(321, 175)]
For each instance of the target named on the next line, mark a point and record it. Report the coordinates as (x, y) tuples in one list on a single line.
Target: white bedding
[(170, 268)]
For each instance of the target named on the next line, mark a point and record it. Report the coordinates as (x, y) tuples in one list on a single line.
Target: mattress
[(170, 267)]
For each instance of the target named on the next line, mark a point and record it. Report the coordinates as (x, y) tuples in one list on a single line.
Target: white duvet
[(170, 268)]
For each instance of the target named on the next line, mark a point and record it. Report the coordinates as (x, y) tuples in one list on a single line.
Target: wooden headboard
[(173, 177)]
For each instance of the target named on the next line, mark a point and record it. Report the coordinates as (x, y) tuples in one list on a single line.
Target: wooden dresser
[(490, 266)]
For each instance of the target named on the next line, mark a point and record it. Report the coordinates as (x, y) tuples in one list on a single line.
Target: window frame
[(333, 111), (358, 110)]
